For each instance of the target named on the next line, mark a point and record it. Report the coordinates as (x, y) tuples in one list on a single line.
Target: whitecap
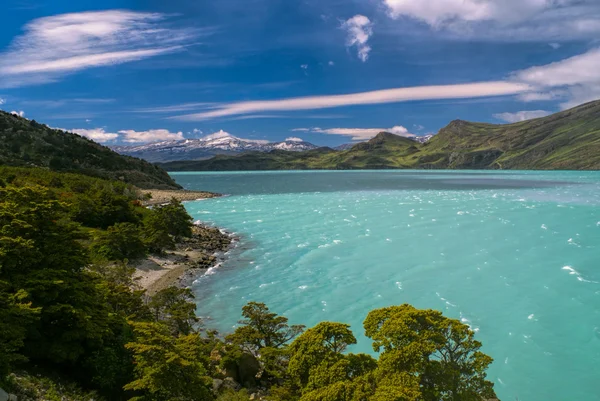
[(303, 287), (544, 227), (337, 241), (399, 285), (531, 317)]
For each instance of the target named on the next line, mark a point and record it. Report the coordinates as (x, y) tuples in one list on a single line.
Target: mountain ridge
[(568, 140)]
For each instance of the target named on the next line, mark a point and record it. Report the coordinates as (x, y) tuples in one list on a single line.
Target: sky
[(327, 71)]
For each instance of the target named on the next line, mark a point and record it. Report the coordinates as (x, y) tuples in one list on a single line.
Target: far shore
[(161, 196)]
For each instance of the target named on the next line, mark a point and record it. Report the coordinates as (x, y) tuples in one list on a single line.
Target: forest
[(75, 325)]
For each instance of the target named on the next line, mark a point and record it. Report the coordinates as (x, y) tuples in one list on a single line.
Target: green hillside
[(569, 140), (27, 143)]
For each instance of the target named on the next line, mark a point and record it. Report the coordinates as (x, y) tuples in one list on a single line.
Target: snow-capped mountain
[(423, 139), (208, 146)]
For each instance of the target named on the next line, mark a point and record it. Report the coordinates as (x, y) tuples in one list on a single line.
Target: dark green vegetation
[(28, 143), (75, 326), (569, 140)]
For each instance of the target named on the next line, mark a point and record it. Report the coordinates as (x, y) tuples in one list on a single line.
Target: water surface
[(513, 254)]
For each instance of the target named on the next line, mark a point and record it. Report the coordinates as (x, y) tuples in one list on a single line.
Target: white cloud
[(418, 127), (304, 66), (20, 113), (359, 29), (459, 91), (361, 134), (95, 134), (2, 101), (521, 115), (331, 63), (58, 45), (153, 135), (576, 80), (300, 130), (555, 46), (294, 139), (580, 69), (523, 20), (197, 131)]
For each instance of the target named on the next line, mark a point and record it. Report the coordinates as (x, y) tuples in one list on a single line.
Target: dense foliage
[(71, 310), (569, 140), (25, 142)]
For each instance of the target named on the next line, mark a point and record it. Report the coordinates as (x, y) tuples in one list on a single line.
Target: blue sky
[(327, 71)]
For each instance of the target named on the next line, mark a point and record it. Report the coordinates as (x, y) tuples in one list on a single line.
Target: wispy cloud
[(521, 115), (2, 101), (514, 20), (359, 29), (359, 134), (175, 108), (153, 135), (95, 134), (459, 91), (300, 130), (64, 102), (52, 47), (294, 139)]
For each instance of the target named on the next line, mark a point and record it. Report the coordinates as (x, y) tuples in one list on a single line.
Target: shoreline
[(161, 196), (190, 259)]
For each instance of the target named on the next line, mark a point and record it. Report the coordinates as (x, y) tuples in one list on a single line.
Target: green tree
[(41, 255), (156, 233), (120, 241), (168, 367), (173, 307), (439, 352), (261, 328), (178, 221), (16, 315)]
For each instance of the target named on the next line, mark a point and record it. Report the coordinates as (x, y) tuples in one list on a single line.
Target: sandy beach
[(191, 258), (160, 196)]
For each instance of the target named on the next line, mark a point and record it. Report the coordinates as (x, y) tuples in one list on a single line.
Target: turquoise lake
[(513, 254)]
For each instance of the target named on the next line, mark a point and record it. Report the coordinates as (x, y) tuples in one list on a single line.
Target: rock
[(217, 384), (3, 395), (229, 383)]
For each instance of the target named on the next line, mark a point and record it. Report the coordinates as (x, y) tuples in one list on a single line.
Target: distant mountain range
[(568, 140), (27, 143), (220, 143)]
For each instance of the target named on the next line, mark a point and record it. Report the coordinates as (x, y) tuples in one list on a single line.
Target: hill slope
[(28, 143), (569, 140)]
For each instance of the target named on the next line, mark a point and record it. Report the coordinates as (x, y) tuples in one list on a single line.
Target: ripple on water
[(498, 259)]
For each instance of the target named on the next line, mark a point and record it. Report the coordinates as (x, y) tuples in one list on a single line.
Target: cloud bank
[(153, 135), (95, 134), (503, 20)]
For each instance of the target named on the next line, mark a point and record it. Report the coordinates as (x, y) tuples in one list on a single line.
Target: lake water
[(513, 254)]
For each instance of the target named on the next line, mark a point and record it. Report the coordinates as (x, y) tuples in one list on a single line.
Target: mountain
[(568, 140), (220, 143), (27, 143)]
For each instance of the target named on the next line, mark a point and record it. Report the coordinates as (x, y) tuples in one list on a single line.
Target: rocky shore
[(160, 196), (191, 258)]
